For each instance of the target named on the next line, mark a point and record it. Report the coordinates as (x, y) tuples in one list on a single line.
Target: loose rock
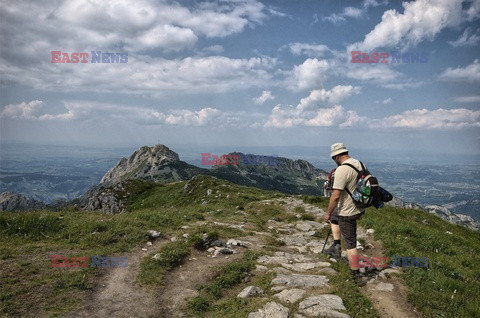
[(154, 234), (250, 291)]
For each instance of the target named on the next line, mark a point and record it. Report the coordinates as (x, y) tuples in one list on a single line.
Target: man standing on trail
[(346, 212)]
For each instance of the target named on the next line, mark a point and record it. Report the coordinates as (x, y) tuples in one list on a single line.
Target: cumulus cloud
[(352, 12), (188, 117), (266, 95), (469, 73), (85, 111), (311, 110), (311, 73), (289, 116), (372, 73), (431, 119), (311, 50), (73, 110), (132, 25), (421, 20), (468, 38), (333, 96), (169, 37), (147, 75)]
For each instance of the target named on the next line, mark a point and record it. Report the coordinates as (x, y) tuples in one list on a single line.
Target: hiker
[(342, 212)]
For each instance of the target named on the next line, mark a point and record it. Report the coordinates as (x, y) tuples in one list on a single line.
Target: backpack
[(330, 179), (367, 191)]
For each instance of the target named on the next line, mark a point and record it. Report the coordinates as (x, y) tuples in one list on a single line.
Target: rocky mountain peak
[(143, 163), (10, 201)]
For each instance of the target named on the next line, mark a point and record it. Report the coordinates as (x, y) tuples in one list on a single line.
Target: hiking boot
[(359, 279), (335, 251)]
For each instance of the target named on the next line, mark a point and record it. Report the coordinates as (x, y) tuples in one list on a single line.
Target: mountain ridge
[(161, 164)]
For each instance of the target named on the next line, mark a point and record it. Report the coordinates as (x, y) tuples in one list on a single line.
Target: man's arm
[(332, 204)]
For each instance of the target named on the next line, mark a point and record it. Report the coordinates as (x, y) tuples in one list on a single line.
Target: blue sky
[(243, 73)]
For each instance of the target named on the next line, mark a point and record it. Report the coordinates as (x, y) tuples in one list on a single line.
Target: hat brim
[(338, 151)]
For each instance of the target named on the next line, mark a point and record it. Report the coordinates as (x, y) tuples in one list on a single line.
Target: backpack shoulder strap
[(351, 166), (356, 170), (363, 166)]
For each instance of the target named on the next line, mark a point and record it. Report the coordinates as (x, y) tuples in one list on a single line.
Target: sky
[(243, 73)]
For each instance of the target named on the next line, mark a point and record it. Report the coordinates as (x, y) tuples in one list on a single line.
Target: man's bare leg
[(336, 231), (353, 258)]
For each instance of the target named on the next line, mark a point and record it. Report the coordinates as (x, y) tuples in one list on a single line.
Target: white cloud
[(309, 112), (310, 73), (431, 119), (334, 18), (352, 12), (469, 73), (91, 111), (409, 83), (266, 95), (311, 50), (387, 101), (466, 39), (349, 12), (467, 99), (375, 73), (169, 37), (333, 96), (22, 110), (288, 117), (374, 3), (132, 25), (188, 117), (147, 75), (421, 20)]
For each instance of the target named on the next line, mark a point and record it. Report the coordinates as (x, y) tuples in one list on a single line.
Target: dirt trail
[(118, 295), (390, 304)]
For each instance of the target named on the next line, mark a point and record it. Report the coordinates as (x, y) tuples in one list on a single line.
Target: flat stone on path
[(323, 306), (270, 310), (298, 280), (290, 296), (301, 267)]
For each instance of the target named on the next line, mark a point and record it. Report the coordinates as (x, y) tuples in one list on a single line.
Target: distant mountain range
[(439, 211), (162, 165)]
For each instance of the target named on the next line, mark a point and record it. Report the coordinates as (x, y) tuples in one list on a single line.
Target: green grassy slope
[(450, 286), (30, 286)]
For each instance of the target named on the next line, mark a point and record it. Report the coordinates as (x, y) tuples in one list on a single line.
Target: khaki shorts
[(348, 227)]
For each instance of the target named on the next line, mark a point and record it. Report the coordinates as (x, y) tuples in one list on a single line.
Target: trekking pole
[(329, 231)]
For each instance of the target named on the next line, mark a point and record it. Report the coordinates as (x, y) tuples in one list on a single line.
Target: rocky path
[(302, 284), (301, 287)]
